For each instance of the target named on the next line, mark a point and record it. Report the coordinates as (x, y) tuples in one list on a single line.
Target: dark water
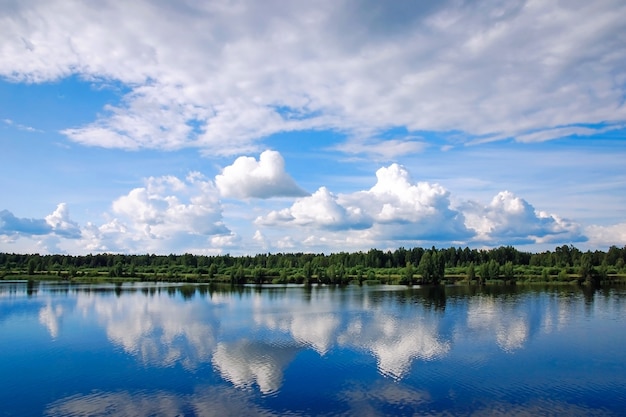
[(143, 350)]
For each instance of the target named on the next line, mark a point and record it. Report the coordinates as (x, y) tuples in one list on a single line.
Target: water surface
[(147, 349)]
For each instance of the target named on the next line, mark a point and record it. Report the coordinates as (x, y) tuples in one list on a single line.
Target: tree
[(283, 278), (432, 267), (359, 274), (240, 275), (494, 269), (32, 265), (408, 274), (308, 271), (258, 275), (117, 270), (508, 270), (471, 272), (483, 273), (603, 271), (585, 268), (212, 270), (425, 267)]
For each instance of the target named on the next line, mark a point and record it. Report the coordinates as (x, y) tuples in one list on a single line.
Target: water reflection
[(487, 315), (245, 363), (250, 336), (142, 349), (50, 317), (395, 341), (204, 402), (395, 327), (159, 330)]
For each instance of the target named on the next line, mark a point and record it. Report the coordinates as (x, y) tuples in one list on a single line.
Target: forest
[(506, 264)]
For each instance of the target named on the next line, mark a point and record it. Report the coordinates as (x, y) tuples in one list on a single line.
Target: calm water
[(143, 350)]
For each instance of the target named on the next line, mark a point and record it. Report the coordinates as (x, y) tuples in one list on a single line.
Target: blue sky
[(247, 127)]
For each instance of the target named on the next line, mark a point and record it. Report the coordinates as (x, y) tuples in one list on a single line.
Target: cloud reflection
[(50, 317), (486, 316), (396, 339), (204, 402), (159, 330), (316, 331), (395, 342), (251, 338), (245, 363)]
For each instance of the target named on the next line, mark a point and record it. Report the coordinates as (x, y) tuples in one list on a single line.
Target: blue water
[(146, 349)]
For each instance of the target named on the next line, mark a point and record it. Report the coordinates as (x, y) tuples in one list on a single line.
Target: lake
[(141, 349)]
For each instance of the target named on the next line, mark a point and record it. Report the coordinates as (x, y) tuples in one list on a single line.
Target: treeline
[(406, 266)]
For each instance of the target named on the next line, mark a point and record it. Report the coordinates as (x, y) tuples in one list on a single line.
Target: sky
[(246, 127)]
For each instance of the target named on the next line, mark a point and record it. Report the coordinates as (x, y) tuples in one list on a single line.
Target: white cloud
[(170, 214), (58, 223), (158, 208), (260, 239), (167, 214), (19, 126), (398, 211), (11, 225), (605, 236), (229, 240), (244, 71), (61, 223), (394, 208), (556, 133), (511, 219), (383, 149), (265, 178), (320, 210)]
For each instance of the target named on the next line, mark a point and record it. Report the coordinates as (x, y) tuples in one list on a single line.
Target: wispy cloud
[(19, 126), (493, 69)]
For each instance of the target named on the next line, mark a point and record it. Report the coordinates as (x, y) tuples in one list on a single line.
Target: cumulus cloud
[(61, 223), (170, 214), (167, 213), (320, 210), (58, 222), (494, 69), (605, 236), (508, 218), (158, 208), (396, 209), (265, 178), (9, 224)]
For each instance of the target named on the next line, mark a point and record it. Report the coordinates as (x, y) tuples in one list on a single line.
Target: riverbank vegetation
[(566, 264)]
